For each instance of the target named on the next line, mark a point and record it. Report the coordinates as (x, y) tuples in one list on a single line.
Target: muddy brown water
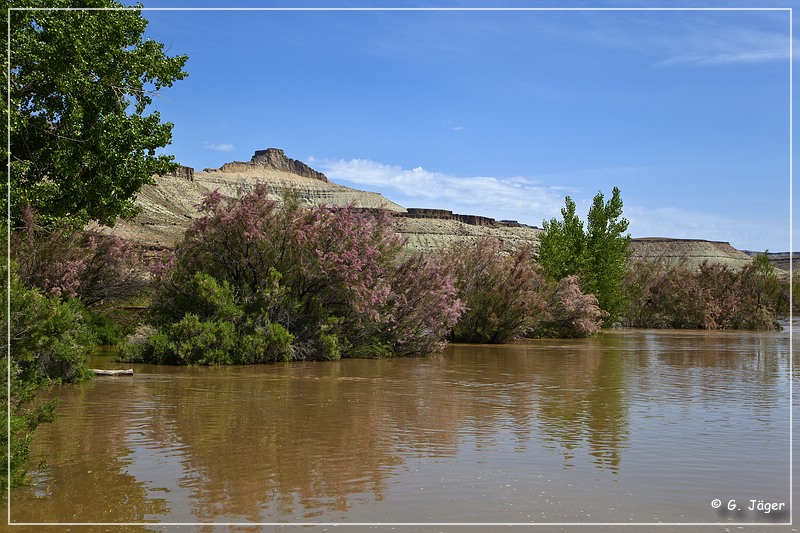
[(631, 427)]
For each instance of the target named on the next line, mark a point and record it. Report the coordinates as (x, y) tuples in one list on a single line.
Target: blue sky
[(503, 113)]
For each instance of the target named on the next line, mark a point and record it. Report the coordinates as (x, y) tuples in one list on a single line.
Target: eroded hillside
[(169, 206)]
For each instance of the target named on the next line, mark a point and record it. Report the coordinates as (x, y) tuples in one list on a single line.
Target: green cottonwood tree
[(598, 255), (83, 137), (606, 254), (561, 246)]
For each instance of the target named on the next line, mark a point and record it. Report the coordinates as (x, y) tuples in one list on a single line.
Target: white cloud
[(684, 38), (222, 147), (516, 198), (722, 58)]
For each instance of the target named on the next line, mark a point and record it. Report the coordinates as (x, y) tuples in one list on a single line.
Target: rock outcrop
[(444, 214), (183, 172), (168, 206), (273, 159), (782, 260)]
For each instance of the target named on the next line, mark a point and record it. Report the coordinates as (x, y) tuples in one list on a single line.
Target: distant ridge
[(168, 207), (779, 259)]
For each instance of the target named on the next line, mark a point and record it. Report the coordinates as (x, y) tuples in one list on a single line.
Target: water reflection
[(626, 424), (88, 459)]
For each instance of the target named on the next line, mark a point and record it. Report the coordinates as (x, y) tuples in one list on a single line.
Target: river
[(630, 427)]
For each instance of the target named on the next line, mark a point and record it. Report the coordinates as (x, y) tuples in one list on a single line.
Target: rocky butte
[(168, 207)]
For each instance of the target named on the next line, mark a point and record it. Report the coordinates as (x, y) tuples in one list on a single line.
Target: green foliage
[(562, 244), (215, 331), (761, 281), (83, 136), (196, 341), (49, 340), (106, 331), (606, 254), (49, 343), (598, 255)]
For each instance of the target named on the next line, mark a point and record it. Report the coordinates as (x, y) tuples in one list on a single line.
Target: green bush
[(196, 341), (106, 331), (50, 344), (216, 331), (267, 343)]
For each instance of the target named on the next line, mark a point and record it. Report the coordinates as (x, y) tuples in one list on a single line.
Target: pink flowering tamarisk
[(573, 313), (504, 292), (336, 279), (71, 262)]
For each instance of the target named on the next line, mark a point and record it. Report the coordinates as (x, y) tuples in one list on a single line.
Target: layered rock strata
[(690, 252), (169, 206)]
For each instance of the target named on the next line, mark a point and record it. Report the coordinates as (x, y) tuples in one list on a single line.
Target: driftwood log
[(98, 372)]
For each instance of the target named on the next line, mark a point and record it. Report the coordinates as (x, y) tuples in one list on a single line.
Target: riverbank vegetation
[(664, 295), (507, 296), (253, 282), (67, 289), (83, 140)]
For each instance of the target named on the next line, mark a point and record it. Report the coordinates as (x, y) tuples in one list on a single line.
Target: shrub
[(214, 331), (421, 309), (503, 293), (49, 343), (571, 312), (70, 262), (49, 340), (711, 297), (295, 283)]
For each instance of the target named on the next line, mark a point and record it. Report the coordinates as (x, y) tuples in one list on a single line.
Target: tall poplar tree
[(597, 255), (606, 254)]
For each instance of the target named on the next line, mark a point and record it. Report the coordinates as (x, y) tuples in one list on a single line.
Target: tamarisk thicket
[(713, 296), (504, 294), (253, 282), (507, 297), (70, 262)]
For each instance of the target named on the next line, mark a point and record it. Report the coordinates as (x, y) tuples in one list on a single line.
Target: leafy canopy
[(598, 255), (83, 136)]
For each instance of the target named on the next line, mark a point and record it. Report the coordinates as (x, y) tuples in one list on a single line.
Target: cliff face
[(169, 206), (688, 251), (272, 159)]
